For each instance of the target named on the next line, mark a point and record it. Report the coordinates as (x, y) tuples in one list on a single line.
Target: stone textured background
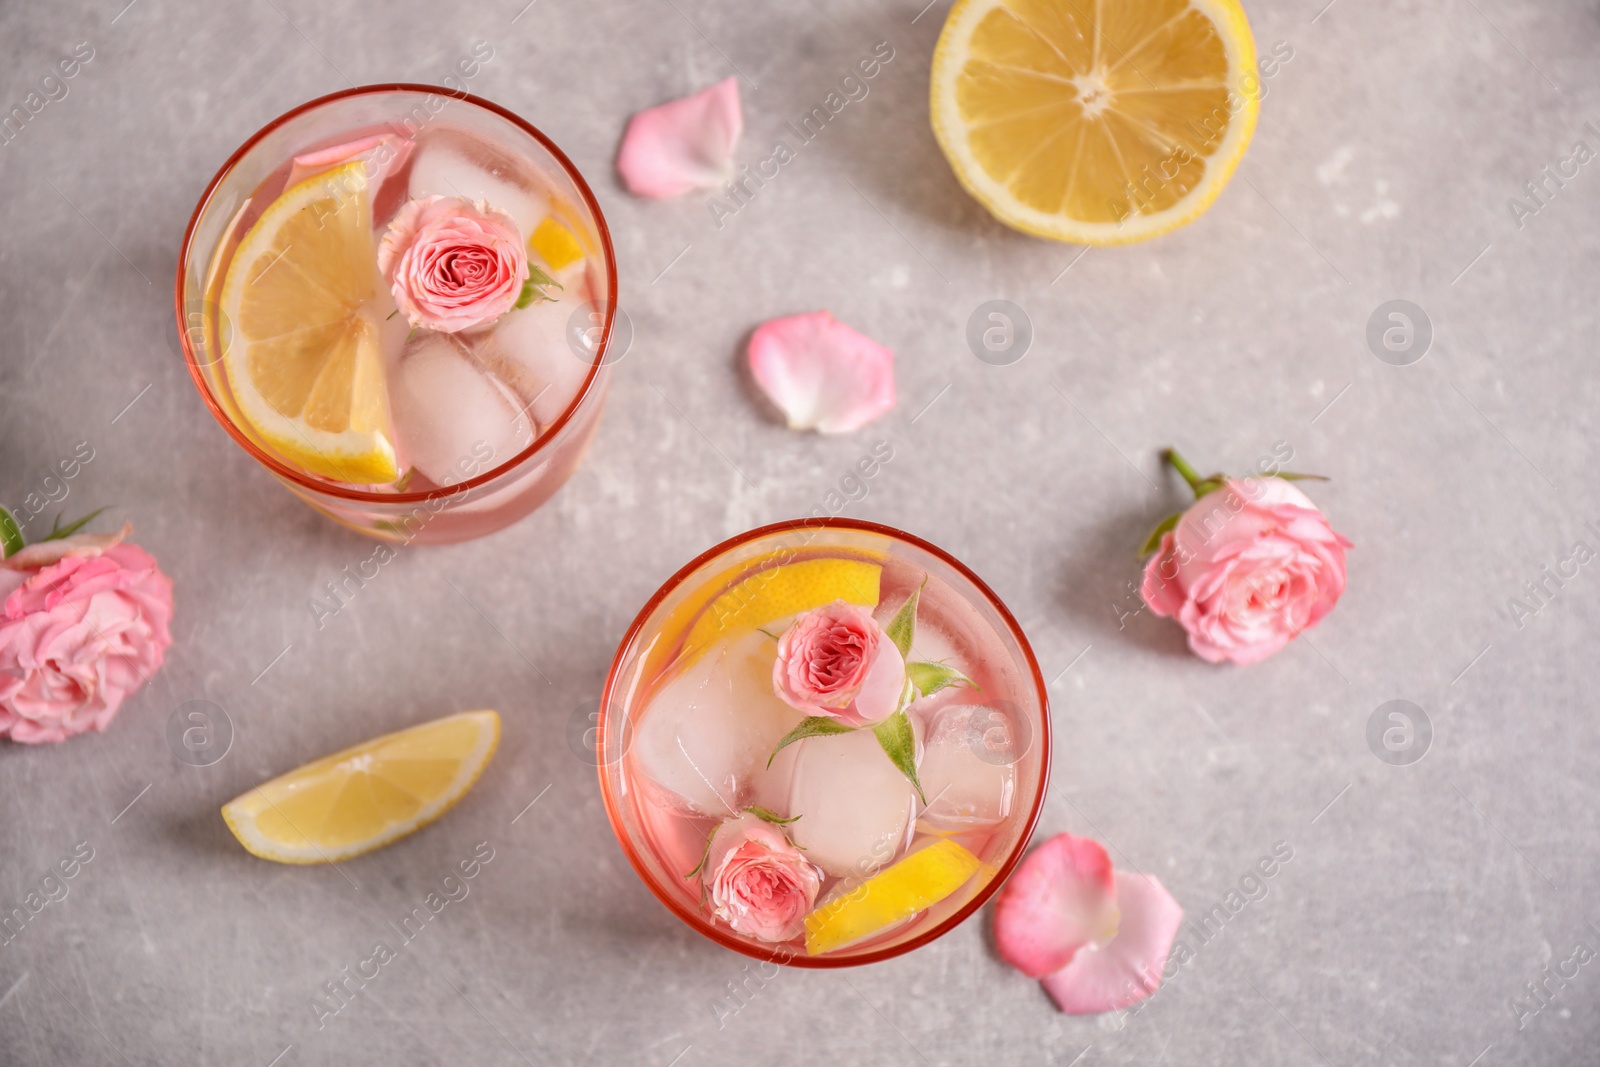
[(1419, 899)]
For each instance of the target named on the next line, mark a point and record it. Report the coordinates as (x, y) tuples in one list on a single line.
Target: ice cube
[(393, 329), (773, 783), (451, 162), (452, 420), (968, 768), (855, 807), (705, 735), (529, 348)]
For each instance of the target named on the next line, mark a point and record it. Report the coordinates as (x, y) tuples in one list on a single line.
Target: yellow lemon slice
[(303, 363), (781, 591), (366, 796), (1091, 121), (919, 881), (555, 244)]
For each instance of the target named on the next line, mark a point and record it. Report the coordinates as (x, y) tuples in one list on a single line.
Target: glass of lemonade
[(399, 299), (851, 854)]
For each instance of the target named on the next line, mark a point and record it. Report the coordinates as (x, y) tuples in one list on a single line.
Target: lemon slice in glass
[(780, 591), (918, 881), (554, 243), (365, 796), (1095, 121), (303, 363)]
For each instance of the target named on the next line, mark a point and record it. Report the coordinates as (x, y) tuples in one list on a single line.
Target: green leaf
[(903, 627), (1153, 542), (813, 726), (1291, 476), (11, 541), (900, 745), (58, 531), (533, 288), (929, 678), (540, 278), (769, 815)]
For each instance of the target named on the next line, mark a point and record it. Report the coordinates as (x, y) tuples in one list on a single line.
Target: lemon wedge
[(780, 591), (555, 244), (1097, 123), (303, 363), (365, 796), (918, 881)]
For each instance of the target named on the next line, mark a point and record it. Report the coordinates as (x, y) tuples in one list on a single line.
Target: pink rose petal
[(1060, 900), (1126, 969), (385, 154), (44, 553), (820, 373), (684, 145), (883, 685), (1160, 587)]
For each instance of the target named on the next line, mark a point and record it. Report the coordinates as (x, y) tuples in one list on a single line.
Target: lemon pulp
[(302, 360), (365, 796), (1095, 121)]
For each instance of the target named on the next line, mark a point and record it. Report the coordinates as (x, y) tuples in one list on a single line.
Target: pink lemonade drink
[(399, 300), (824, 743)]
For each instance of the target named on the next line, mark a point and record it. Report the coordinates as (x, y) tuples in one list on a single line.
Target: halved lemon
[(303, 363), (781, 591), (921, 880), (365, 796), (1095, 121)]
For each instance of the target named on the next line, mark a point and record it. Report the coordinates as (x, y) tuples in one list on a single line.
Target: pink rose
[(1248, 567), (78, 634), (759, 883), (453, 263), (836, 661)]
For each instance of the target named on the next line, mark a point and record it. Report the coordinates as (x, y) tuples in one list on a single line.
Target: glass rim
[(783, 955), (301, 479)]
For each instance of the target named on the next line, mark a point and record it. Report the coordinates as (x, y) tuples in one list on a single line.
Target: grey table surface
[(1420, 899)]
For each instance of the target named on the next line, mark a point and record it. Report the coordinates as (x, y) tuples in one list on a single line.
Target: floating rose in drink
[(837, 662), (452, 263), (755, 880)]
